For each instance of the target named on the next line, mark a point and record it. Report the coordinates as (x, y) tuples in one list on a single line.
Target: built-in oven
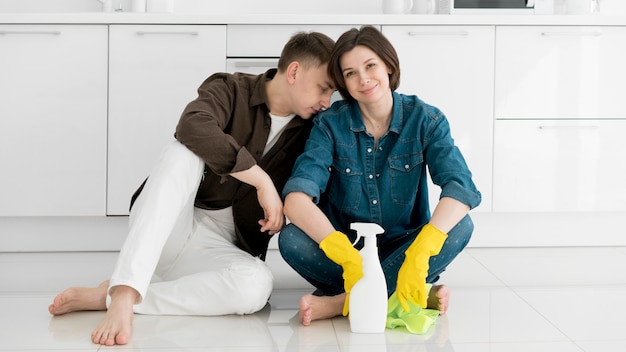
[(256, 48), (250, 65), (259, 65), (536, 7)]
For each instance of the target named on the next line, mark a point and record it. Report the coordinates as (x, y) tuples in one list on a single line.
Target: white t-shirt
[(278, 126)]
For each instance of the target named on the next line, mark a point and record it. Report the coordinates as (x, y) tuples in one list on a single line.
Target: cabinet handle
[(258, 63), (575, 34), (569, 127), (166, 33), (454, 33), (31, 32)]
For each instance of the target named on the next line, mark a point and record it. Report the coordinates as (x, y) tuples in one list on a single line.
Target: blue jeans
[(305, 257)]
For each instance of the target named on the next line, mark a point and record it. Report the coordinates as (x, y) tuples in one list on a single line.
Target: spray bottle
[(368, 298)]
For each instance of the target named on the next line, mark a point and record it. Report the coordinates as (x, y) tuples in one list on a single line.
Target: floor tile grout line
[(517, 294)]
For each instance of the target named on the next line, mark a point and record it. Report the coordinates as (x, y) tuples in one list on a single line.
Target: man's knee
[(178, 157), (256, 285)]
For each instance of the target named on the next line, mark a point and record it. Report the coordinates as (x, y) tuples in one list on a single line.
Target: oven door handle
[(256, 63)]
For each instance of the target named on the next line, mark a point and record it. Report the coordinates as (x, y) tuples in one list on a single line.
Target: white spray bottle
[(368, 298)]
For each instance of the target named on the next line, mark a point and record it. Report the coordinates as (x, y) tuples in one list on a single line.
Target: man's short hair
[(310, 49)]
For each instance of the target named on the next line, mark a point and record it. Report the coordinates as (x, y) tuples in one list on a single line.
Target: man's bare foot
[(439, 298), (117, 325), (80, 298), (320, 307)]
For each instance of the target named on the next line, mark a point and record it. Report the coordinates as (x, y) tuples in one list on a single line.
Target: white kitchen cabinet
[(560, 119), (53, 91), (560, 72), (560, 165), (451, 67), (154, 71), (267, 41)]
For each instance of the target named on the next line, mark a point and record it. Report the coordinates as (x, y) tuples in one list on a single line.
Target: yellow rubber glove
[(413, 272), (338, 248)]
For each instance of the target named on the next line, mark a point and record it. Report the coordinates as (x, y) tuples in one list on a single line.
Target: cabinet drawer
[(560, 72), (556, 165), (268, 40)]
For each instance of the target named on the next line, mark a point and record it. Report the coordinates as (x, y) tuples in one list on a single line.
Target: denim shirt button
[(374, 202), (348, 170), (371, 177), (369, 150), (406, 166)]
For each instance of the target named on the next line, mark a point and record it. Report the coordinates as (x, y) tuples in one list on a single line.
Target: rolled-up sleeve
[(446, 164), (311, 171), (202, 124), (468, 196), (299, 184)]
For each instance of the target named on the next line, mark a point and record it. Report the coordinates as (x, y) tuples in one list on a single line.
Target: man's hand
[(273, 208), (270, 201)]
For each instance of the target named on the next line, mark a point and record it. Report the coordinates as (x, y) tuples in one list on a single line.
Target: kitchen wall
[(607, 7), (207, 6)]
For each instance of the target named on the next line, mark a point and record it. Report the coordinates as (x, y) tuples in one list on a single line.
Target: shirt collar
[(259, 93), (356, 120), (259, 96)]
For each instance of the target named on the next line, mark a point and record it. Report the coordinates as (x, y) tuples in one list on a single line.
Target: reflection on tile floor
[(503, 300)]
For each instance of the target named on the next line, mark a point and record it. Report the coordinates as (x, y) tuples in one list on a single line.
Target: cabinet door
[(267, 41), (155, 71), (452, 69), (53, 91), (558, 165), (560, 72)]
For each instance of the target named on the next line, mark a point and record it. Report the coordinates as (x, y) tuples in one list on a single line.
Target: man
[(199, 225)]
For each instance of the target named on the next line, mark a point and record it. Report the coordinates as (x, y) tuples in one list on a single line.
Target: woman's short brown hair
[(371, 38)]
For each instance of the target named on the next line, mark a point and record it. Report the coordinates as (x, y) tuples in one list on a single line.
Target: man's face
[(311, 90)]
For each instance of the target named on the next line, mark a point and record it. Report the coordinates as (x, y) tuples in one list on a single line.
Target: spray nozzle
[(365, 229)]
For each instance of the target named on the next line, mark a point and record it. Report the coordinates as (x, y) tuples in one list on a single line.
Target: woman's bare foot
[(117, 325), (320, 307), (439, 298), (80, 298)]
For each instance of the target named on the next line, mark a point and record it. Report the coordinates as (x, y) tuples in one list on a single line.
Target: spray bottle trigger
[(367, 228)]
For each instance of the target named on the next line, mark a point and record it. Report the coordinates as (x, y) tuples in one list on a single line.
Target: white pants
[(182, 259)]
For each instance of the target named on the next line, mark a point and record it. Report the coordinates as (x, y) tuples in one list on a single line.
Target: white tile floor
[(516, 299)]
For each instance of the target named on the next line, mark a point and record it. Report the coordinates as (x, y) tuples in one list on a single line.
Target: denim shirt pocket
[(404, 173), (345, 184)]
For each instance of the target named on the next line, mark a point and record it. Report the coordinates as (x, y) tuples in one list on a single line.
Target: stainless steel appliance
[(531, 7)]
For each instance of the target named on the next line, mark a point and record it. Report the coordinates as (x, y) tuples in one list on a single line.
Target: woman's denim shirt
[(352, 180)]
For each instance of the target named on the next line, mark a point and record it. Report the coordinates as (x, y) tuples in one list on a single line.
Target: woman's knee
[(457, 240), (462, 232), (292, 241)]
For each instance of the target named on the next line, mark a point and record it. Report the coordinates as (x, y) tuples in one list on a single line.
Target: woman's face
[(365, 74)]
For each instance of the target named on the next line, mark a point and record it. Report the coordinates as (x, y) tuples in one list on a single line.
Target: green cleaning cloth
[(418, 321)]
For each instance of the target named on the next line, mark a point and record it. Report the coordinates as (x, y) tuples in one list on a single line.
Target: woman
[(366, 161)]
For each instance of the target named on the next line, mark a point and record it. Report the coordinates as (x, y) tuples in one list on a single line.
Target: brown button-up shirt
[(227, 126)]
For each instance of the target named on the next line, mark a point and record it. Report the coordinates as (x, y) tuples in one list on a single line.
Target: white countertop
[(297, 19)]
